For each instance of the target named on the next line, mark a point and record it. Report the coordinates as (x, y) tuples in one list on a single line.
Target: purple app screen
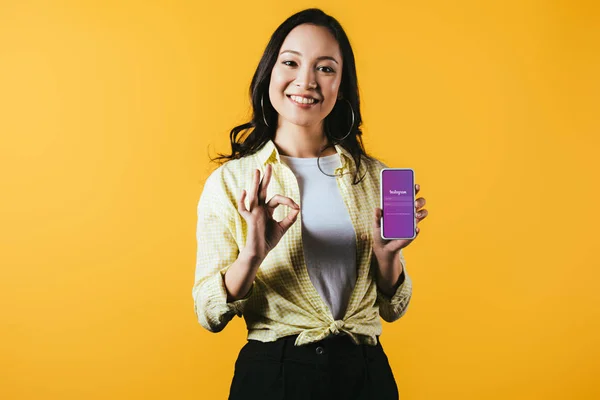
[(398, 203)]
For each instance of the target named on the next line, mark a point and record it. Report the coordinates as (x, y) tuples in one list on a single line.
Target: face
[(309, 65)]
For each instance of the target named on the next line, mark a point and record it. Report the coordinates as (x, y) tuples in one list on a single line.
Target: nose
[(306, 78)]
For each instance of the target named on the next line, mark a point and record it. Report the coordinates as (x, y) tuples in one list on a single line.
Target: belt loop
[(282, 348), (284, 343), (366, 372)]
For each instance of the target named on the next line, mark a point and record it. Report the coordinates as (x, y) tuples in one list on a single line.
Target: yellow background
[(110, 109)]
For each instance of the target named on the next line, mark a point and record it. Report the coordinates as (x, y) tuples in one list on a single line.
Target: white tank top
[(327, 231)]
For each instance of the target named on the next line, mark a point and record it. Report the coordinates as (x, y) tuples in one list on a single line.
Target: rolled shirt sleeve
[(216, 251), (392, 308)]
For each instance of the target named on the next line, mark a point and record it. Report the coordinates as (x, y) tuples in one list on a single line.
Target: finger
[(252, 194), (420, 202), (421, 214), (264, 183), (377, 219), (417, 188), (279, 199), (241, 205), (289, 220)]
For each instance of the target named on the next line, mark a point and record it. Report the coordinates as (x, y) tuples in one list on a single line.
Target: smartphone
[(397, 188)]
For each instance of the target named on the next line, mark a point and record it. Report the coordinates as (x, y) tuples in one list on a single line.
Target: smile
[(302, 102)]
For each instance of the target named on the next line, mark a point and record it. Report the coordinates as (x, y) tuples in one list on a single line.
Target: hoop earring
[(338, 140), (262, 109), (351, 126)]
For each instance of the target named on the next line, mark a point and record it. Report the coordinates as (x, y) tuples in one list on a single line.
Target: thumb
[(377, 218), (288, 221)]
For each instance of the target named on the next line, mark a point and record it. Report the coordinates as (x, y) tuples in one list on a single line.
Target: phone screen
[(398, 203)]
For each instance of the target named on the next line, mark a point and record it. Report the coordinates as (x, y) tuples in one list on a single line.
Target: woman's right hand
[(263, 231)]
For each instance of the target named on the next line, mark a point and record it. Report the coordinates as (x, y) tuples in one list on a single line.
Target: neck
[(301, 141)]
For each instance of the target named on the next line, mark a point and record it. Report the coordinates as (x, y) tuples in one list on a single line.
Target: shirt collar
[(269, 154)]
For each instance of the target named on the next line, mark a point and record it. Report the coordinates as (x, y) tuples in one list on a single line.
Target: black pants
[(332, 369)]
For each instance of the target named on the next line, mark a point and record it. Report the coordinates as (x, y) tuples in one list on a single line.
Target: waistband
[(336, 348), (333, 340)]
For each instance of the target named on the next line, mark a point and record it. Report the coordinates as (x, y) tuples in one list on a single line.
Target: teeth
[(302, 100)]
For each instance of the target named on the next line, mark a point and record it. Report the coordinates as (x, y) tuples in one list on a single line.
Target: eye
[(328, 69), (285, 63)]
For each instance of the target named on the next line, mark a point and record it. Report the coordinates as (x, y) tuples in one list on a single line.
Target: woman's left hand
[(386, 249)]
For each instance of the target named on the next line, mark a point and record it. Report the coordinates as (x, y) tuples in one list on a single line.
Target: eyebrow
[(318, 58)]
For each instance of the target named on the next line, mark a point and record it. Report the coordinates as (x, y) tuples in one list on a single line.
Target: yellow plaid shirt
[(282, 300)]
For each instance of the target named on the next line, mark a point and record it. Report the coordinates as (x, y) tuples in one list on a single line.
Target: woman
[(311, 291)]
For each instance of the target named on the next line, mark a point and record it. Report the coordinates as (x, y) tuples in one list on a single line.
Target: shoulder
[(375, 163), (372, 167), (226, 181)]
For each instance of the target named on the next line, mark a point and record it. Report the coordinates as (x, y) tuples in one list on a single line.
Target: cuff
[(219, 296), (402, 290)]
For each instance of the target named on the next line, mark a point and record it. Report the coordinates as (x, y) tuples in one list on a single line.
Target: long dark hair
[(339, 119)]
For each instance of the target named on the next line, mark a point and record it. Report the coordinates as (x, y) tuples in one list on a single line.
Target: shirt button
[(320, 350)]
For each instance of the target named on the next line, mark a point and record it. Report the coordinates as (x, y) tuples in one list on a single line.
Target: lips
[(315, 101)]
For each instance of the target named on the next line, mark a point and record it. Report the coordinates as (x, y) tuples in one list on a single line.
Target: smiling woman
[(308, 73), (309, 56), (313, 306)]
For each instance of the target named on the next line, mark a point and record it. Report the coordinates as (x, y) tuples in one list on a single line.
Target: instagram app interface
[(398, 204)]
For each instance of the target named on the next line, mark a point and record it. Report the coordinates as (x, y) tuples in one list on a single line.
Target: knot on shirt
[(336, 326)]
